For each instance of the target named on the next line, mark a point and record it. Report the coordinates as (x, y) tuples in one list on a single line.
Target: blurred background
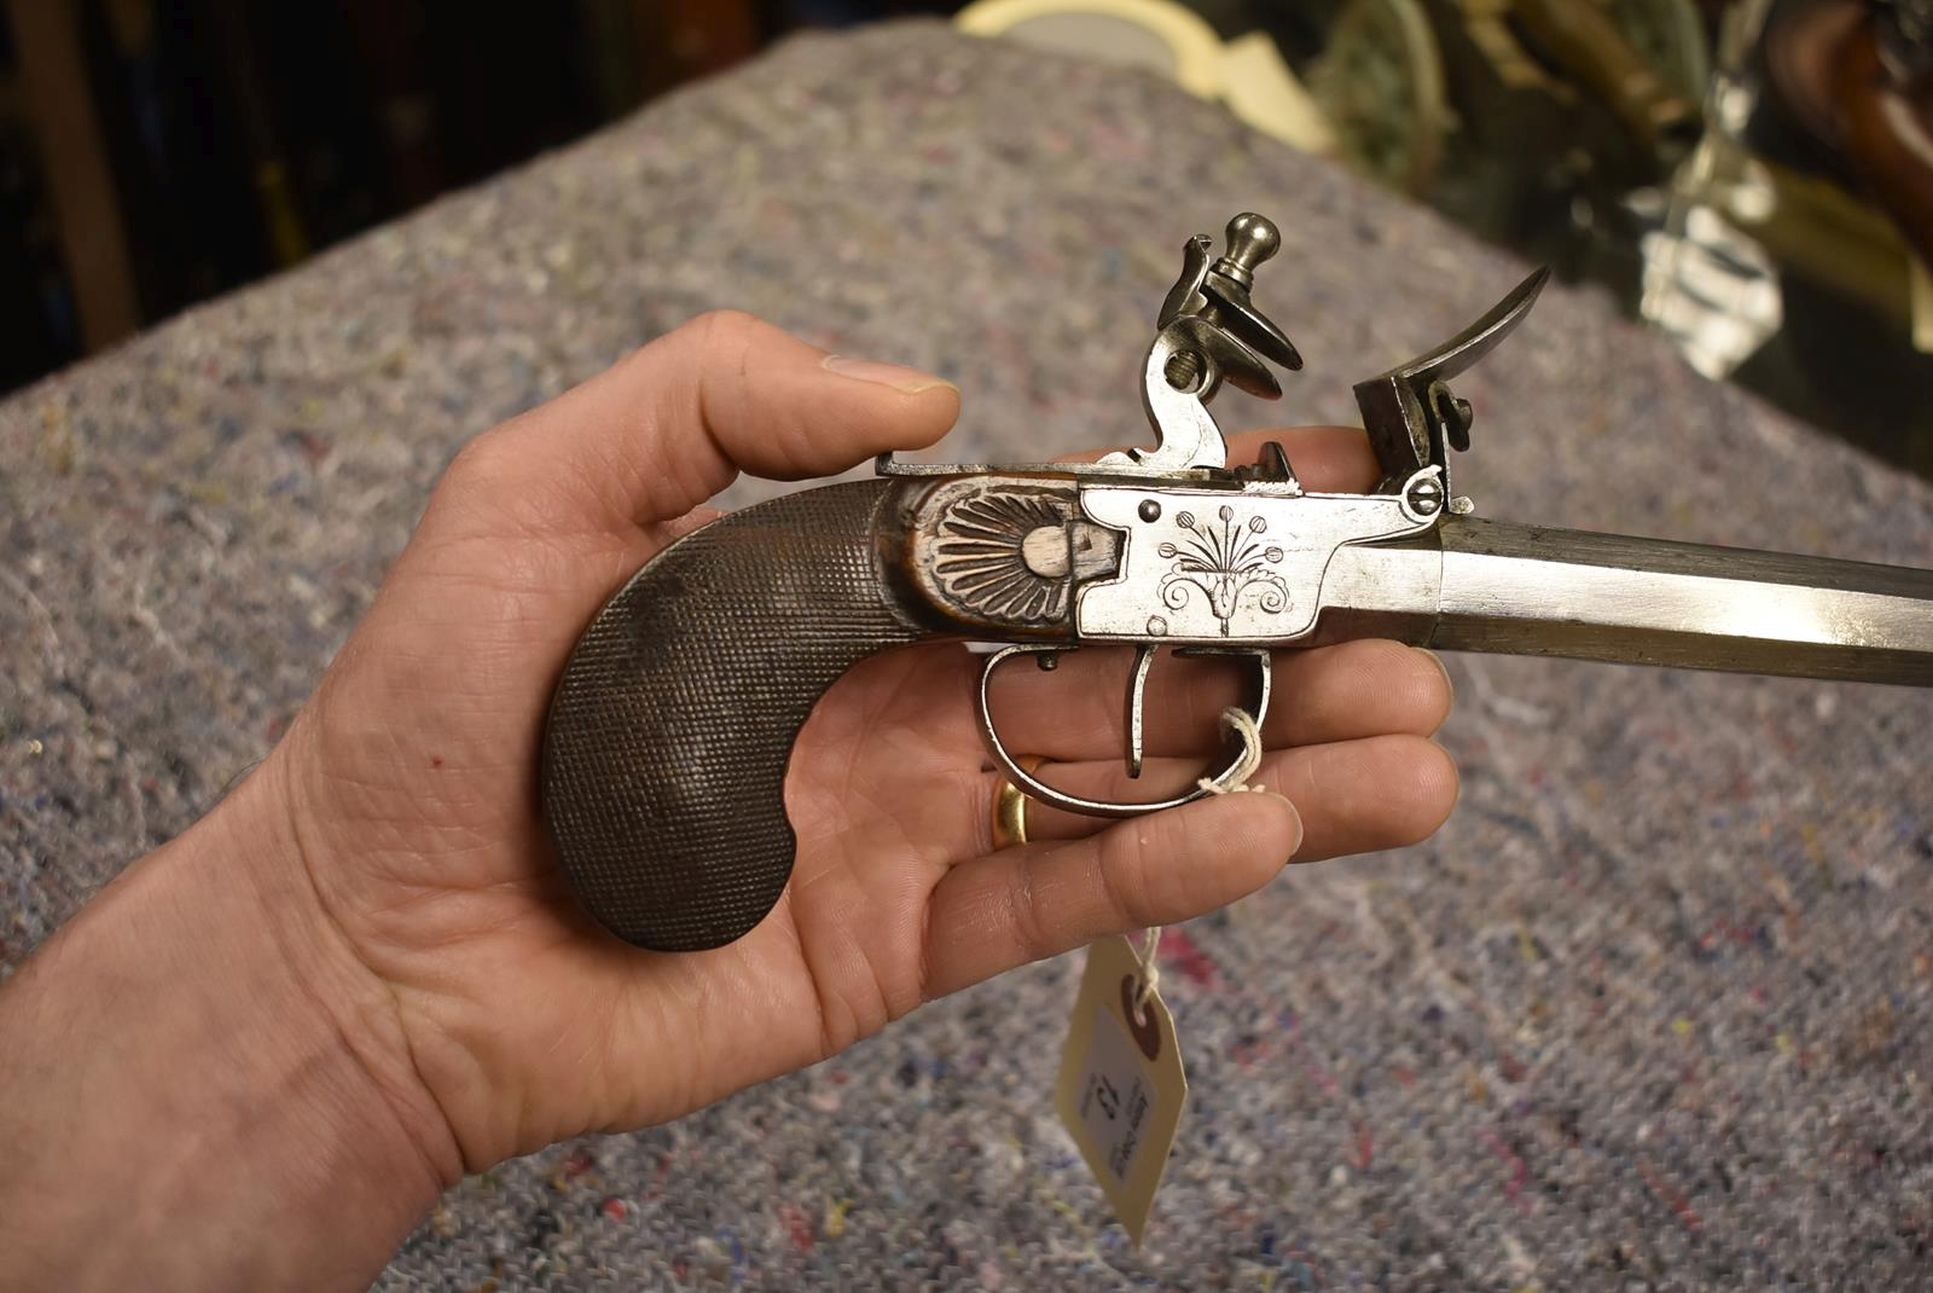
[(1753, 178)]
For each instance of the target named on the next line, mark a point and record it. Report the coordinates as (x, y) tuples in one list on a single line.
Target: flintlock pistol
[(665, 752)]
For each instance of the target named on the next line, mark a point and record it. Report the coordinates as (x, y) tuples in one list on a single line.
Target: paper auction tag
[(1121, 1087)]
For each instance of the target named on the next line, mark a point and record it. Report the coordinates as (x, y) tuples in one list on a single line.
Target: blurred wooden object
[(180, 148), (682, 39), (93, 240), (1887, 121), (1857, 79)]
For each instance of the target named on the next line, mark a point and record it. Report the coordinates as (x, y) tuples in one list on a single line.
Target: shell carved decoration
[(978, 558)]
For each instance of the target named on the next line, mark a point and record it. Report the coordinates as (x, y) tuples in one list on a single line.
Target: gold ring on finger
[(1010, 808)]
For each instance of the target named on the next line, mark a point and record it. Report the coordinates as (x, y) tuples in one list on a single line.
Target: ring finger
[(1355, 796)]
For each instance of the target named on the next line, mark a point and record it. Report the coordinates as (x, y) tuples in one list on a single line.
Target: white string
[(1242, 723), (1150, 973)]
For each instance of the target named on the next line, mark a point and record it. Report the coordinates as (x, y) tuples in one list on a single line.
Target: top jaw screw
[(1251, 239)]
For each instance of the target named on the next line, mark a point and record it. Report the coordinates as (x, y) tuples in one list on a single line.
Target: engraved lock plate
[(1210, 565)]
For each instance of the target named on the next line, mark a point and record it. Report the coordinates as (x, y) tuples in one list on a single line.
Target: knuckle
[(714, 339), (718, 352), (496, 481), (726, 329), (480, 462)]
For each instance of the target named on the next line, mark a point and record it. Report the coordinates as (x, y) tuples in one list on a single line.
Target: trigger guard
[(1034, 788)]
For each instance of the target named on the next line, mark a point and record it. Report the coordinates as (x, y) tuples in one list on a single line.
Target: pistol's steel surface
[(1529, 590), (1170, 546)]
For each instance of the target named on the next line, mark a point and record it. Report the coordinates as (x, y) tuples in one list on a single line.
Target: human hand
[(257, 1056), (408, 781)]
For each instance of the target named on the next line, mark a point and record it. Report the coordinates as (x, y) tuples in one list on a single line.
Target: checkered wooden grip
[(669, 735)]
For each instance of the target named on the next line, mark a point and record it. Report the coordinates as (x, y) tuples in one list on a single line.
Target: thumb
[(676, 421)]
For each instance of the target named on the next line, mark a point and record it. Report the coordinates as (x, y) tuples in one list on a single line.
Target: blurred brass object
[(1381, 82), (1586, 42), (1669, 37), (1529, 121), (1817, 230), (1487, 24)]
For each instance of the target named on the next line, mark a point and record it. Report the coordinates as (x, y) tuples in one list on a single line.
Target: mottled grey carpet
[(1653, 1011)]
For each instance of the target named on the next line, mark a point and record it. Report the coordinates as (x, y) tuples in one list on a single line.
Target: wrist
[(198, 1045), (344, 1005)]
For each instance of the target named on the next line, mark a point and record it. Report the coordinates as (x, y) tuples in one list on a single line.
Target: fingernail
[(1295, 815), (907, 381), (1449, 683)]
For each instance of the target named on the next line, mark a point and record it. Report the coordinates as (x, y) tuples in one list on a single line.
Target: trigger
[(1137, 693)]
